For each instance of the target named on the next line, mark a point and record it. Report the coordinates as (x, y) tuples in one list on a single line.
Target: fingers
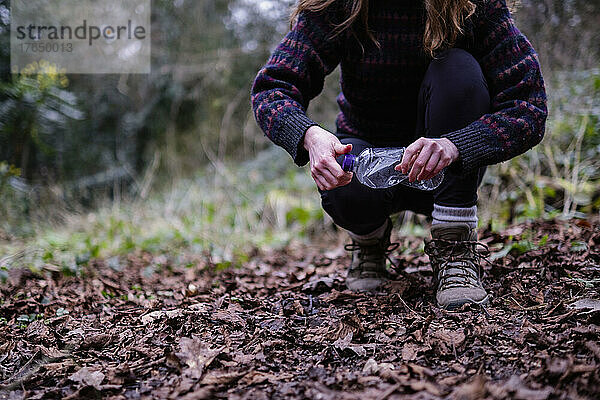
[(325, 170), (445, 160), (330, 178), (426, 157), (342, 148), (327, 181), (410, 155), (321, 183), (420, 162), (328, 175), (337, 176), (341, 177), (428, 170)]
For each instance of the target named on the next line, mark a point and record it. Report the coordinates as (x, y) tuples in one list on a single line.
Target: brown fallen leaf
[(594, 348), (420, 385), (96, 341), (346, 343), (410, 351), (87, 377), (257, 377), (447, 341), (222, 377), (586, 304), (371, 367), (420, 370), (155, 315), (242, 359), (204, 393), (336, 296), (516, 389), (350, 323), (197, 355), (450, 381), (231, 316), (548, 341), (52, 352), (402, 377), (318, 284), (471, 390)]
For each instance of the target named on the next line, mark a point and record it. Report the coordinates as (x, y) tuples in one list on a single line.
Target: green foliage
[(578, 246), (26, 319), (516, 248), (34, 112), (95, 138), (12, 197), (519, 247), (224, 213), (61, 311), (559, 177)]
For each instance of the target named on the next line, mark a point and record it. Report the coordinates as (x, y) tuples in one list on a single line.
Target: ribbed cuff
[(290, 135), (442, 215), (473, 146)]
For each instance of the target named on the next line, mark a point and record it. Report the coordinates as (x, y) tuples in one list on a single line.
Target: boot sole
[(457, 304), (357, 287)]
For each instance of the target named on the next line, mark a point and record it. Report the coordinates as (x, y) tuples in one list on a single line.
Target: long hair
[(444, 24), (356, 15)]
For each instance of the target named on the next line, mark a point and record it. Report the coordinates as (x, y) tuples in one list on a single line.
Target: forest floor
[(282, 325)]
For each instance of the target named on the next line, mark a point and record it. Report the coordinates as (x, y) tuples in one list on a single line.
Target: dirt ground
[(282, 325)]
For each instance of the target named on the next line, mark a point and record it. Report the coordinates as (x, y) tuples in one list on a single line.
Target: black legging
[(453, 94)]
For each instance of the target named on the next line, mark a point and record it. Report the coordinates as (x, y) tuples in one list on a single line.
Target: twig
[(406, 305), (484, 308), (147, 365), (532, 308)]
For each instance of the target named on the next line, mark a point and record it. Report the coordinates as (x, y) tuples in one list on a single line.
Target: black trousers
[(453, 94)]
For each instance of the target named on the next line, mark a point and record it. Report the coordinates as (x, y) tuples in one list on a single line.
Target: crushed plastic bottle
[(374, 167)]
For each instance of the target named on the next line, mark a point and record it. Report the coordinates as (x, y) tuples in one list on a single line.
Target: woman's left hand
[(426, 157)]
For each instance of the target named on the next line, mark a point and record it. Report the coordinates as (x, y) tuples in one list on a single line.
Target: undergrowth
[(224, 212), (229, 208)]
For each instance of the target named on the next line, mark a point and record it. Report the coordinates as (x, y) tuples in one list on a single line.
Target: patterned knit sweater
[(379, 93)]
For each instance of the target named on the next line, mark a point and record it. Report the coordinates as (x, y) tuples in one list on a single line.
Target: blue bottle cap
[(348, 162)]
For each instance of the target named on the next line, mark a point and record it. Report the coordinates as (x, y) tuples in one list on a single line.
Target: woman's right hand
[(323, 148)]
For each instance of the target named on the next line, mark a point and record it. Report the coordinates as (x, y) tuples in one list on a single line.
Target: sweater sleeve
[(293, 76), (518, 114)]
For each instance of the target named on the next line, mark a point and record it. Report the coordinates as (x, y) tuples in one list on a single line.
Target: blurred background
[(102, 165)]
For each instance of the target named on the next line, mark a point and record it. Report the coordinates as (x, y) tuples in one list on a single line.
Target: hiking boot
[(367, 270), (454, 258)]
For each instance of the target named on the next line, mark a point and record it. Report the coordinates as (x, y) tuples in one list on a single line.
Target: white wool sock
[(443, 214)]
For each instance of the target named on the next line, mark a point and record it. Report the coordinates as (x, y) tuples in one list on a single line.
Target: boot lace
[(456, 264), (372, 255)]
